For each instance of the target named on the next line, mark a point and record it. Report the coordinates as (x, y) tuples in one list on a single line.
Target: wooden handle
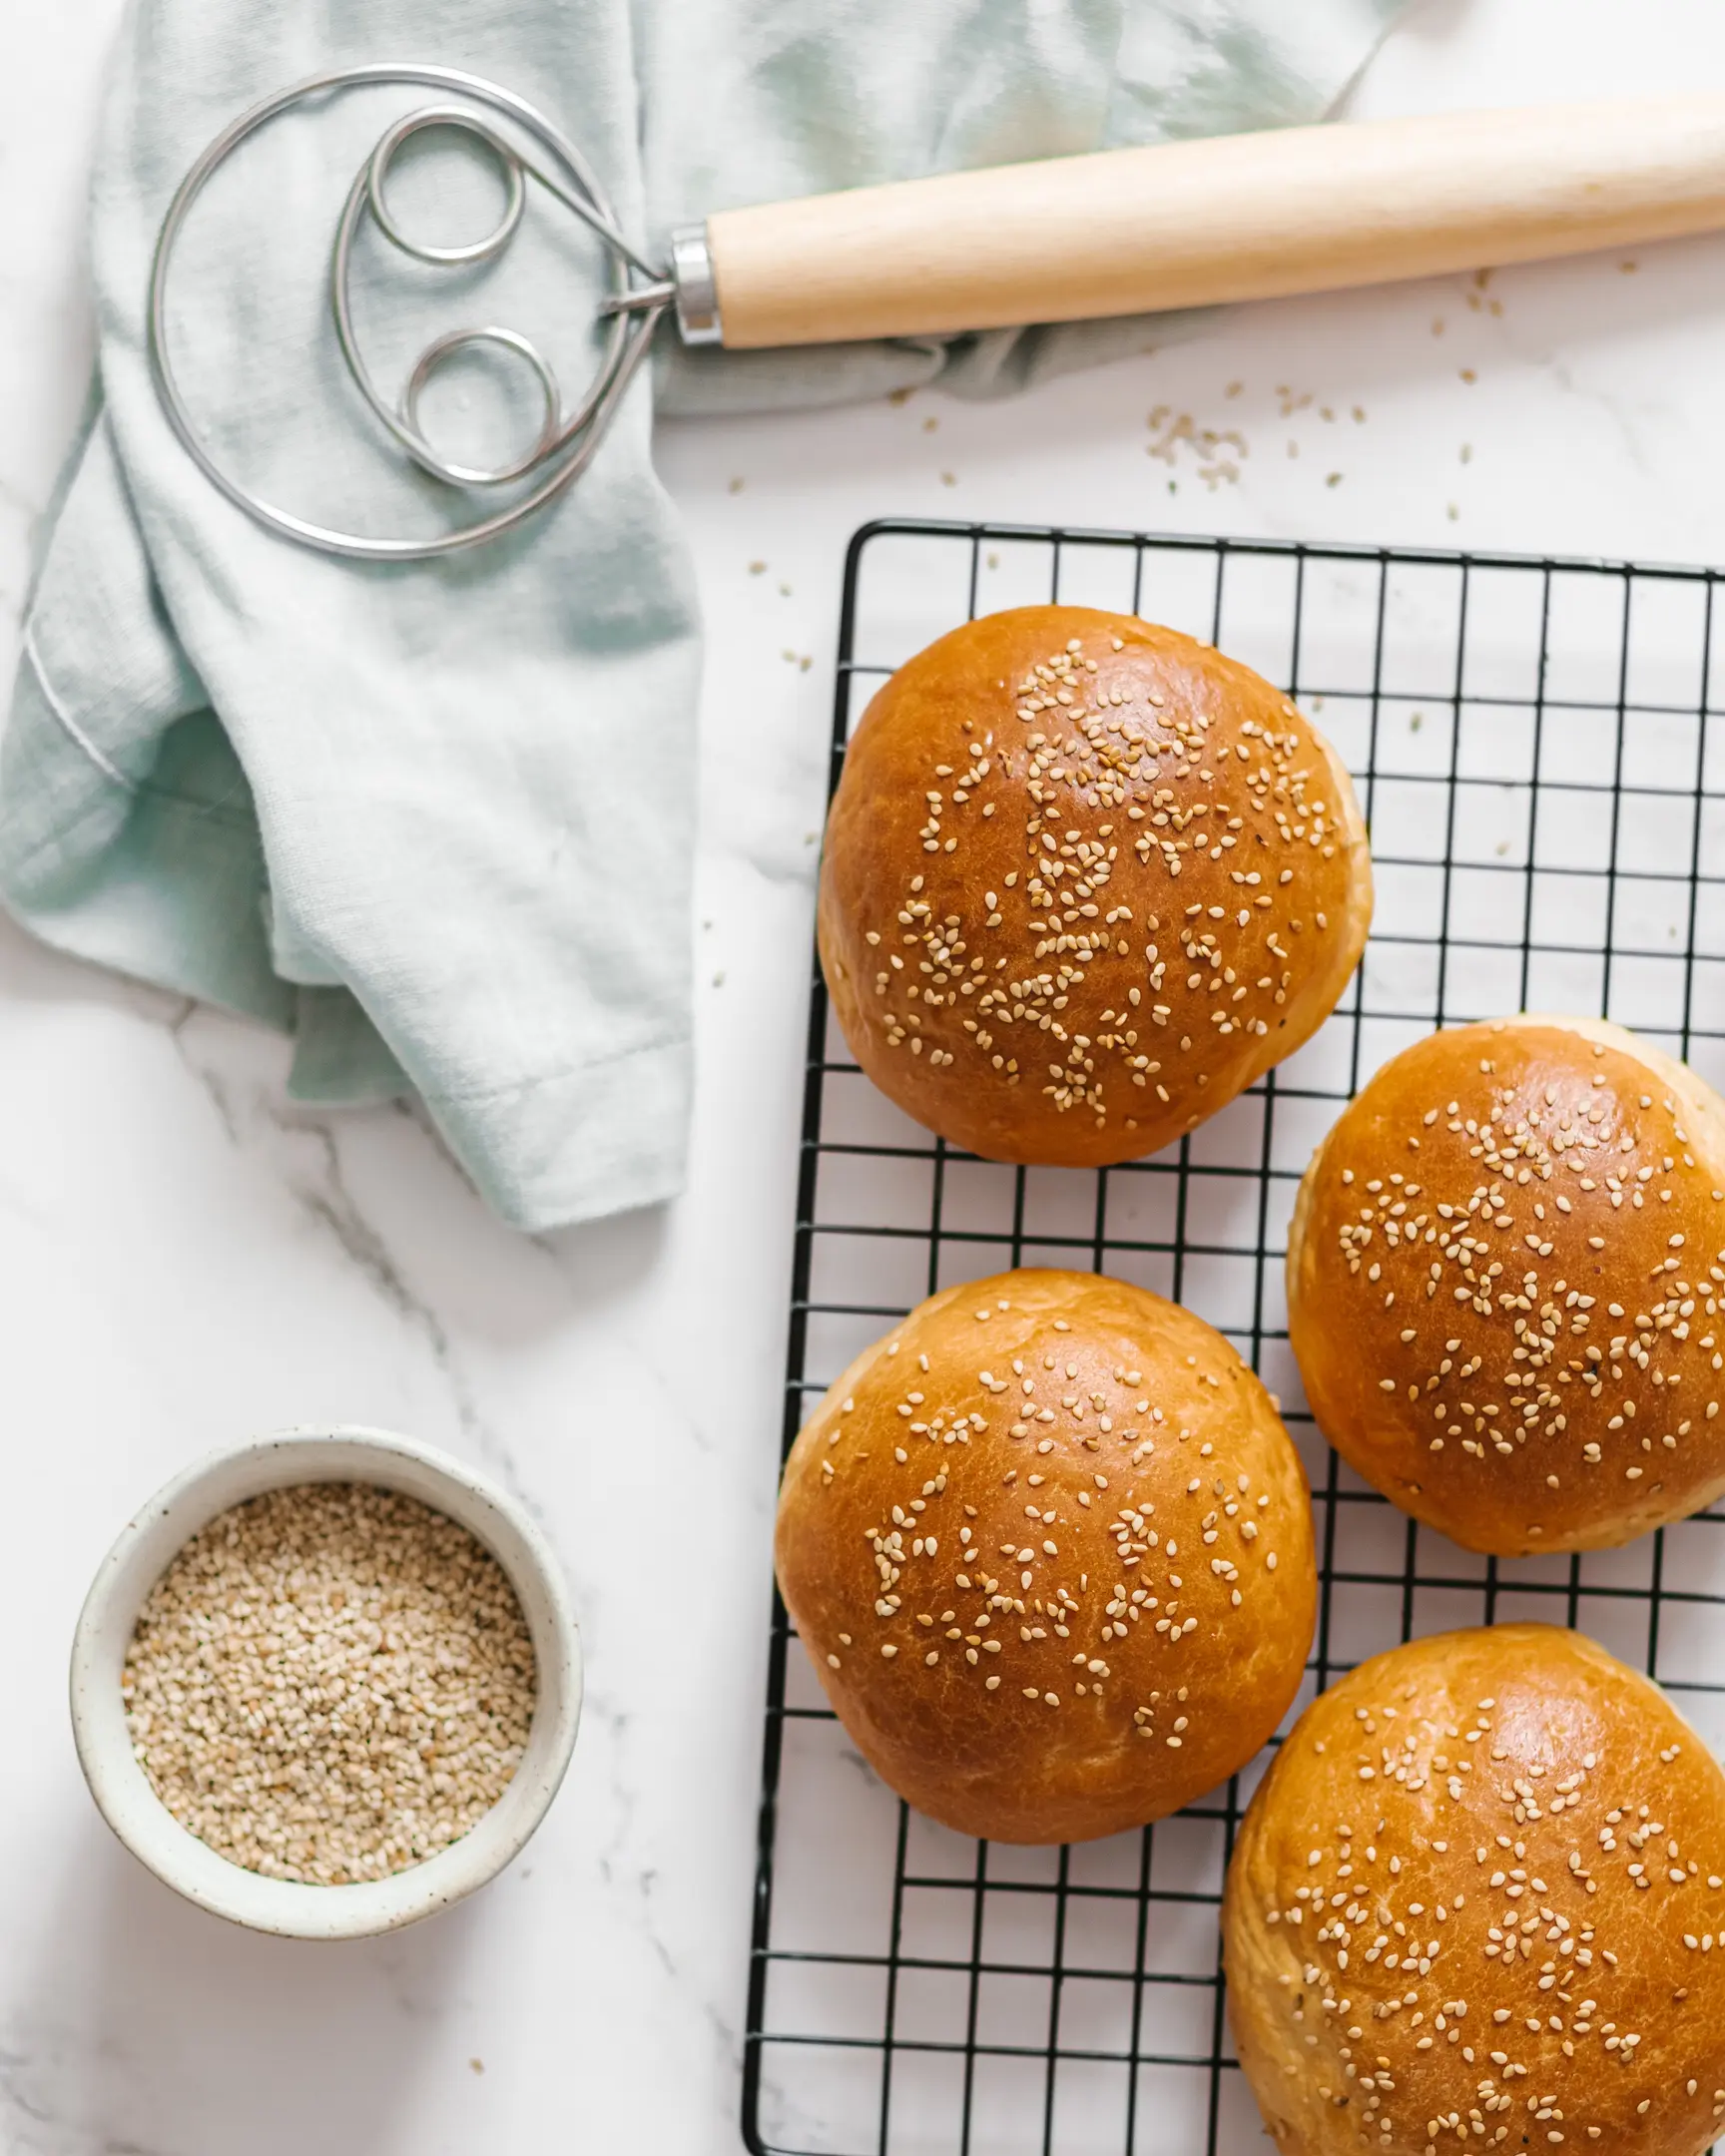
[(1243, 217)]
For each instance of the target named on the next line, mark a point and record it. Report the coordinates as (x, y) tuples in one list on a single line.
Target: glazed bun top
[(1504, 1284), (1049, 1548), (1084, 881), (1479, 1902)]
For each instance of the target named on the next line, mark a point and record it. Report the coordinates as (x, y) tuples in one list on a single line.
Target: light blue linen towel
[(436, 820)]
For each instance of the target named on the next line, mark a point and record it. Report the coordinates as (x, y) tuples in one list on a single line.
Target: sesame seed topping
[(1522, 1169)]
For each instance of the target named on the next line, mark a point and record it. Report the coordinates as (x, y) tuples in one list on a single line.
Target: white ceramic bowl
[(144, 1552)]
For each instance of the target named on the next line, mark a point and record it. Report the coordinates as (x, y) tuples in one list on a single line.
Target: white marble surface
[(183, 1256)]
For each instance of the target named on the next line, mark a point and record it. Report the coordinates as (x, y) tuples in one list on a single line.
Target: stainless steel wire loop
[(637, 296)]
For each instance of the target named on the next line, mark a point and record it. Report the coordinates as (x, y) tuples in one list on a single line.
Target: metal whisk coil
[(567, 439)]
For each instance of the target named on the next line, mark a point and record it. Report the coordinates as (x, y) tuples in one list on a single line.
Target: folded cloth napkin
[(436, 820)]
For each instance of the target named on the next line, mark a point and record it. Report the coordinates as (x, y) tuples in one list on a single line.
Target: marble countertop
[(185, 1256)]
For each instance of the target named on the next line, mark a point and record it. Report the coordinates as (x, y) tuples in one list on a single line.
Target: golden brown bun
[(1477, 1904), (1014, 885), (1513, 1217), (994, 1524)]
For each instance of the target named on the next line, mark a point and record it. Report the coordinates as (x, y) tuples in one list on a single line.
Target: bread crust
[(1066, 931), (976, 1630), (1505, 1950), (1521, 1342)]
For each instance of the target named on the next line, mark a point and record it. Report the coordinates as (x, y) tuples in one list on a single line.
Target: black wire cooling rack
[(1537, 751)]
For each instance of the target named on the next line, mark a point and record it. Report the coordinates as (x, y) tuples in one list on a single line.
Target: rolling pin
[(1195, 224)]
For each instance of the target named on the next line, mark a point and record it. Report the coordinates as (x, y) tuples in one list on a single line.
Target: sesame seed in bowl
[(330, 1683), (327, 1682)]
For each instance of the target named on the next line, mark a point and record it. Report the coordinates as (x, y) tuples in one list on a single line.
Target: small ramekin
[(144, 1549)]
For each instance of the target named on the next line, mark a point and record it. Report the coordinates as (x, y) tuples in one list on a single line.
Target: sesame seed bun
[(1084, 881), (1479, 1902), (1505, 1281), (1050, 1550)]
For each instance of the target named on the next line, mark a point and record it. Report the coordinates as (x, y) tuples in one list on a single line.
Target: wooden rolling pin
[(1191, 224)]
